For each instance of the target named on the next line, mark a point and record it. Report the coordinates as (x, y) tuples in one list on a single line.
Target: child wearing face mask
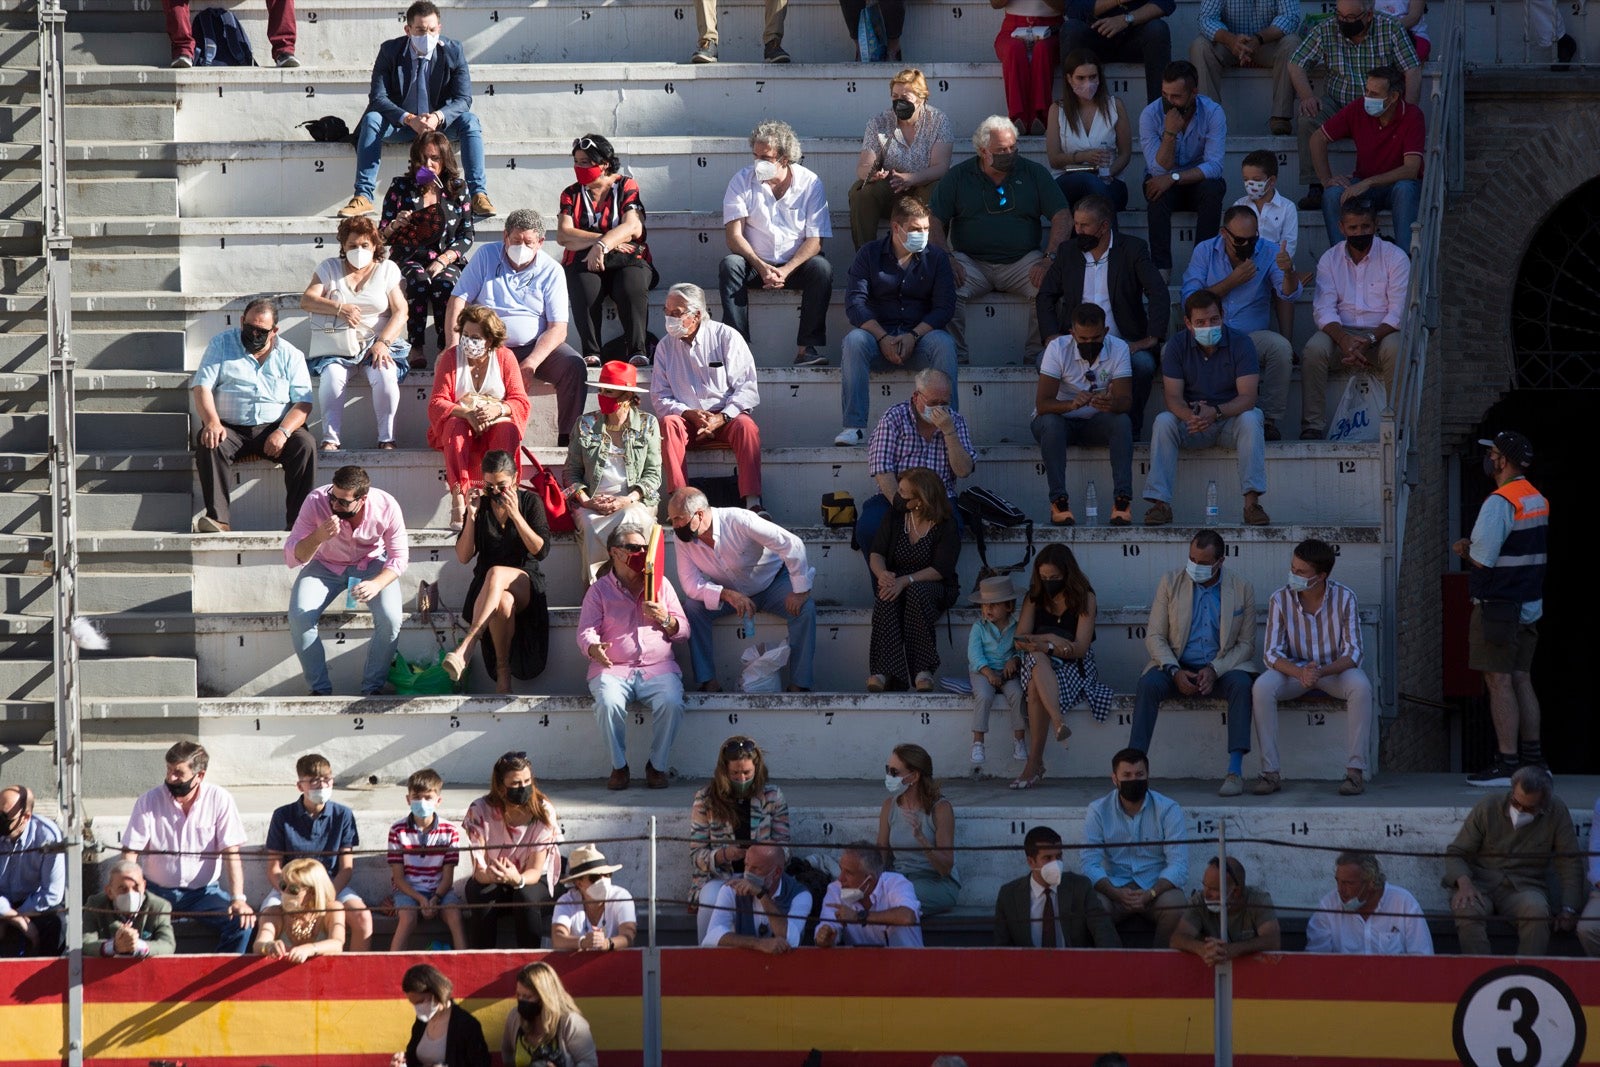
[(423, 854), (993, 665), (315, 826), (596, 914), (1277, 220)]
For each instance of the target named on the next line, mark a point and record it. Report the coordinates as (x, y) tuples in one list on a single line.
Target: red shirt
[(1379, 148)]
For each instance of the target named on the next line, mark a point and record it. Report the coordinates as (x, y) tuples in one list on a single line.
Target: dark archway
[(1555, 306)]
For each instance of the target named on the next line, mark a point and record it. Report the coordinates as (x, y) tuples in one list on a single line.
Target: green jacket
[(153, 922), (1489, 851), (641, 454)]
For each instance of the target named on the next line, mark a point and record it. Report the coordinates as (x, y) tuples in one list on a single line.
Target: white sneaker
[(977, 752), (1019, 749), (851, 437)]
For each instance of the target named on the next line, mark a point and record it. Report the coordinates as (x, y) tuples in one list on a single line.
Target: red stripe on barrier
[(33, 982), (609, 1058), (1395, 979)]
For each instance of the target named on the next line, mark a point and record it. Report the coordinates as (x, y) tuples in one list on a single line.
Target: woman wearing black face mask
[(427, 222), (739, 808), (547, 1029), (516, 856), (1055, 633), (904, 152)]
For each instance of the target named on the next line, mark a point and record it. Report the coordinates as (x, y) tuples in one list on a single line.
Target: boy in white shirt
[(1277, 220)]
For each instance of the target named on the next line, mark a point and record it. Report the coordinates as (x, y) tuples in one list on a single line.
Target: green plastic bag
[(414, 680)]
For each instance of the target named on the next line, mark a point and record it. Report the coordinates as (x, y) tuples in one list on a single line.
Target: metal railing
[(1441, 175)]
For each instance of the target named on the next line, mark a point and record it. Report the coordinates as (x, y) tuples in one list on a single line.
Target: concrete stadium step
[(147, 472), (100, 592), (111, 352), (19, 124), (1424, 811), (155, 268), (101, 392), (98, 431), (106, 679), (28, 512), (130, 633), (249, 654), (1123, 565), (93, 196)]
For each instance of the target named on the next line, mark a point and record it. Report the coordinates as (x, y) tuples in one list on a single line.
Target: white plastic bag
[(1360, 410), (761, 667)]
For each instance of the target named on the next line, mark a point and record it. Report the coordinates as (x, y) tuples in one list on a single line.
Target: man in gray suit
[(1051, 907)]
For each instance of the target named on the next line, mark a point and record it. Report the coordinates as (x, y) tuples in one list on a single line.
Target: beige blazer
[(1170, 615)]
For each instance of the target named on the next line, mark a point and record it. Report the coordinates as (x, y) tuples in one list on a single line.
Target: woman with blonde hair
[(547, 1029), (739, 808), (516, 855), (308, 921), (917, 827), (904, 152)]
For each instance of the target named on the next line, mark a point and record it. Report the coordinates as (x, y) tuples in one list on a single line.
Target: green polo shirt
[(976, 222)]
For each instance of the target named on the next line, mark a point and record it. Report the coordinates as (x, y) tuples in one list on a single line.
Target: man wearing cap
[(764, 909), (703, 390), (1505, 559), (1050, 907), (595, 914), (33, 878), (731, 559)]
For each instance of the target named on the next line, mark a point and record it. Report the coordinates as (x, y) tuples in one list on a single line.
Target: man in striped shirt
[(1313, 642)]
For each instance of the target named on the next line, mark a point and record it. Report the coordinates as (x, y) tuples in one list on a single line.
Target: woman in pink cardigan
[(478, 403)]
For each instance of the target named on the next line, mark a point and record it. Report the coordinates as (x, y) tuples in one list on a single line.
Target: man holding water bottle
[(349, 541), (731, 559)]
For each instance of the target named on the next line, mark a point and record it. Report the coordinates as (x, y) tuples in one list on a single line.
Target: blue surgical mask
[(1351, 905), (916, 240), (1208, 336), (422, 808), (1201, 573), (1374, 105), (1298, 583)]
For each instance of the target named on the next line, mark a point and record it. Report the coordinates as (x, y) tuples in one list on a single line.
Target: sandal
[(387, 446), (1028, 783), (458, 513), (1063, 732), (877, 683), (331, 446), (454, 665)]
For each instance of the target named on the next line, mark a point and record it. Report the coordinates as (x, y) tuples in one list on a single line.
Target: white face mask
[(423, 44), (358, 257), (675, 327), (1050, 873), (851, 896), (520, 254), (1519, 819), (597, 890), (473, 347), (321, 795), (426, 1010), (1214, 906), (1353, 904), (1255, 190), (894, 785), (128, 903), (766, 170), (1201, 573), (1299, 583)]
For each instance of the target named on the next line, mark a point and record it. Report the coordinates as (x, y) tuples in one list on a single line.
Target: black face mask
[(1003, 161), (904, 109), (1488, 472), (254, 337), (1244, 248), (1086, 242), (1359, 243), (1052, 586), (1133, 790), (1352, 30), (1090, 350), (519, 794), (179, 790), (684, 533), (530, 1010)]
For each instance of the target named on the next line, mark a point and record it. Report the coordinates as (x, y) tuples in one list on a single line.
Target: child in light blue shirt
[(992, 664)]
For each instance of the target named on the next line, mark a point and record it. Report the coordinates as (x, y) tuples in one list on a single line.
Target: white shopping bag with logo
[(1360, 410)]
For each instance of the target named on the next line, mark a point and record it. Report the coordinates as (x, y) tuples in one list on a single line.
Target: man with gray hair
[(986, 213), (1501, 861), (774, 216), (731, 559), (703, 390), (867, 905), (529, 293), (764, 909), (124, 920), (1365, 915)]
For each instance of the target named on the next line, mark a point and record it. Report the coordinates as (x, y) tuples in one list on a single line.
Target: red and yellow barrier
[(998, 1008)]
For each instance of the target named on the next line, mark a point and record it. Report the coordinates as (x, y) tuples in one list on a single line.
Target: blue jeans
[(1077, 184), (802, 631), (1402, 199), (859, 357), (318, 586), (233, 937), (1055, 432), (1154, 687), (373, 132), (1244, 433), (1144, 376), (664, 696)]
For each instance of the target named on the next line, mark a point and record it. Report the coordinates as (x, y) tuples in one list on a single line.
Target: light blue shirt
[(32, 881), (991, 646), (1138, 848), (1200, 144), (247, 393), (1489, 532), (1205, 626), (528, 301), (1245, 307)]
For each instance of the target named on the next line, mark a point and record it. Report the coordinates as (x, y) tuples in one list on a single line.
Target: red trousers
[(280, 27), (1028, 68), (464, 450), (742, 435)]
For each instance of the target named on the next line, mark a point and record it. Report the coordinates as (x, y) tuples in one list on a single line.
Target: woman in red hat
[(478, 404), (613, 462)]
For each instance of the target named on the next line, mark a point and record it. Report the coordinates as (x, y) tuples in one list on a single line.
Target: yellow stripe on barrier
[(1410, 1031), (34, 1031)]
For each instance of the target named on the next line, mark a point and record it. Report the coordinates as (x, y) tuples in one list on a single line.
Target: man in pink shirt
[(349, 541), (191, 832), (629, 640)]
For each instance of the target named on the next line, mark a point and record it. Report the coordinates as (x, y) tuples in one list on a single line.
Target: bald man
[(33, 878), (764, 909)]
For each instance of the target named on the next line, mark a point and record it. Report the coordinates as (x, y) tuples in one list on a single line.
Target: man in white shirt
[(763, 909), (775, 215), (1366, 916), (1085, 390), (1361, 297), (703, 389), (867, 905), (731, 559)]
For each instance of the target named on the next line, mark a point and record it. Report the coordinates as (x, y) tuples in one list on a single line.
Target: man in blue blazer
[(420, 83)]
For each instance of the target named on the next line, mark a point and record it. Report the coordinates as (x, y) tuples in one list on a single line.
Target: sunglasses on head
[(739, 748), (513, 755), (585, 144)]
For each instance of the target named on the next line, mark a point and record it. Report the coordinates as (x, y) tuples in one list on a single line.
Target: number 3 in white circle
[(1519, 1016)]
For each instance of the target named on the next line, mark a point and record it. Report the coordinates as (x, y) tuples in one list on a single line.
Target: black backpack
[(981, 507), (327, 128), (219, 40)]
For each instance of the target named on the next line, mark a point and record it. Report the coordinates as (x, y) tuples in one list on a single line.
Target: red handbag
[(542, 482)]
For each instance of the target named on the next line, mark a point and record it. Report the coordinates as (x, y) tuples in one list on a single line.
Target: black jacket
[(1140, 301), (1085, 923), (449, 81), (464, 1045)]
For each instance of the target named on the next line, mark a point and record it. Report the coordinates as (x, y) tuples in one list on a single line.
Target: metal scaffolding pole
[(63, 461)]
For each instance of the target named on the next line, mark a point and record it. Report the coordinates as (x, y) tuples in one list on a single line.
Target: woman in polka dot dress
[(427, 223)]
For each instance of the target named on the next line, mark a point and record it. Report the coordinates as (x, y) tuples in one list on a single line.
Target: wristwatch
[(1177, 177), (1171, 669), (1128, 18)]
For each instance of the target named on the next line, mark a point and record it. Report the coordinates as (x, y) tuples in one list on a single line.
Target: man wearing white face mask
[(1252, 921), (764, 909), (596, 914), (867, 905), (1501, 861), (124, 920), (1365, 915), (1313, 642), (1050, 907), (318, 827), (420, 84)]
